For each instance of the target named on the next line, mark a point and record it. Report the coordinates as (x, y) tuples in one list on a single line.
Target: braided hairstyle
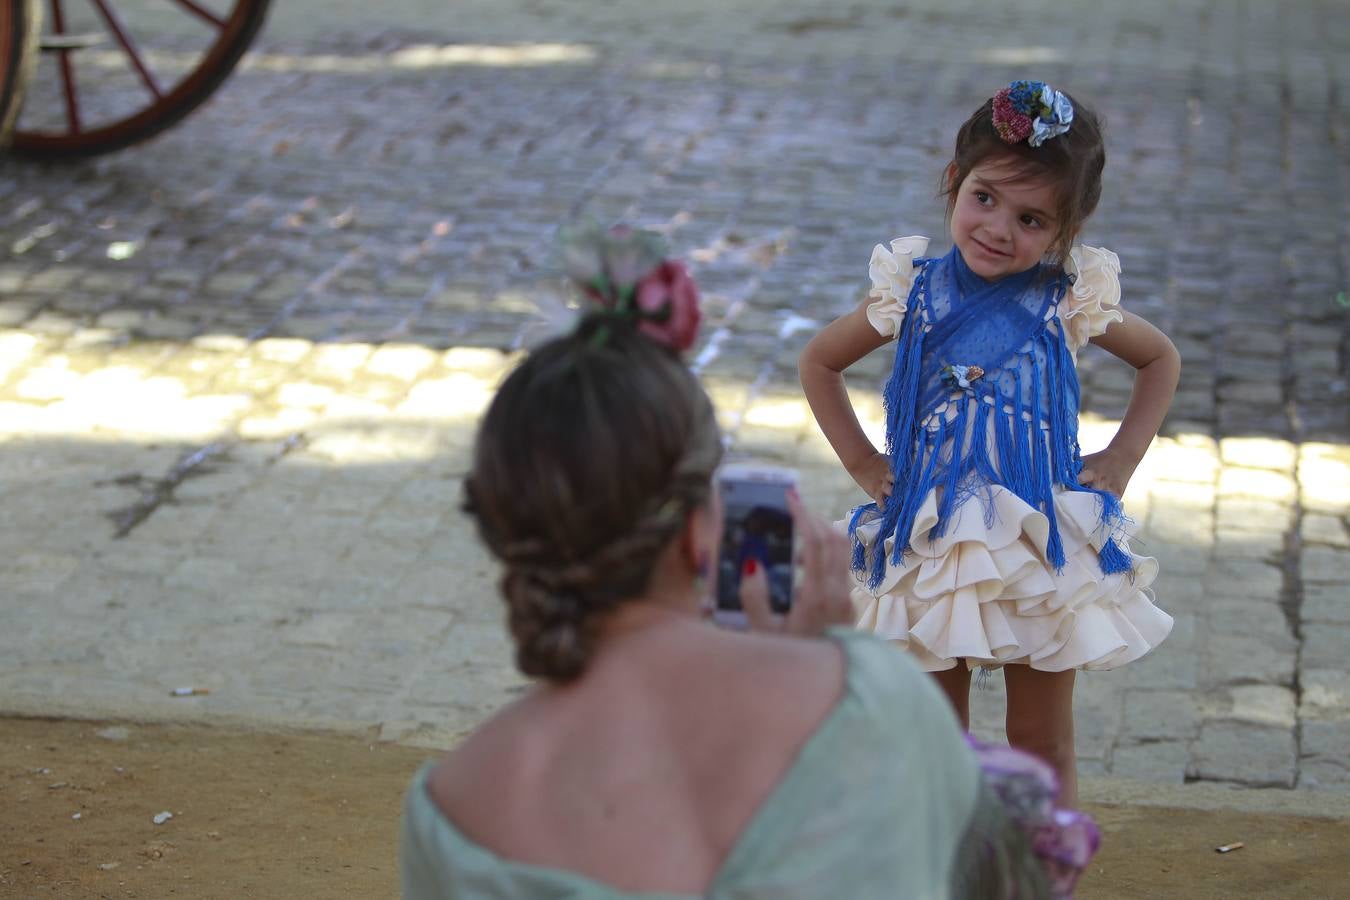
[(588, 463)]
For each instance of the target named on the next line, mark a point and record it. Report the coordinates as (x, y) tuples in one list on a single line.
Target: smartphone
[(756, 525)]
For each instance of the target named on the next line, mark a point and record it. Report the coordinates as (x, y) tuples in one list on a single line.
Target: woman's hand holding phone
[(822, 599)]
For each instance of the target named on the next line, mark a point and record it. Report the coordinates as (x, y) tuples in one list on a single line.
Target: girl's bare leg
[(1040, 721), (955, 683)]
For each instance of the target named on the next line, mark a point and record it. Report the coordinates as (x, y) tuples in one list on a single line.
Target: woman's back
[(644, 773), (769, 768)]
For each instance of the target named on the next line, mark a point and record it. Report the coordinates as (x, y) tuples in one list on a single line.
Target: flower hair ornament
[(1031, 111), (624, 271)]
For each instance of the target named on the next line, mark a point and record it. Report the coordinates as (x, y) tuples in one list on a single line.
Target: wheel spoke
[(160, 93), (119, 32), (202, 12), (67, 70)]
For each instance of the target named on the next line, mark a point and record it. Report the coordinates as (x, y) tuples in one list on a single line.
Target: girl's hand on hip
[(875, 477), (1110, 470)]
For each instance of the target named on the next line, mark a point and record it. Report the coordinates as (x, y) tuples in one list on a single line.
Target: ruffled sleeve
[(1092, 302), (892, 272)]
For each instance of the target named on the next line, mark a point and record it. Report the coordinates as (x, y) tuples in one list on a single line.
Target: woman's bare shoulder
[(818, 667), (502, 744), (778, 689), (785, 686)]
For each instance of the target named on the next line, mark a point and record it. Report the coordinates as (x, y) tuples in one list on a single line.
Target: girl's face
[(1003, 222)]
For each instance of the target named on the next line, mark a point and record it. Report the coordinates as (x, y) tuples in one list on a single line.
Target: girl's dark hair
[(589, 461), (1072, 162)]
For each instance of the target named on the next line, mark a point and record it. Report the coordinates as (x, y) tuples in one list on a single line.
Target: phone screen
[(756, 525)]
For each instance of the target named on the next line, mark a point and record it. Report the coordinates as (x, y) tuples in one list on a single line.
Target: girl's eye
[(1031, 221), (982, 196)]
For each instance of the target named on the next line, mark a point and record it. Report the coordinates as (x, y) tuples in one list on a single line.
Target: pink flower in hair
[(667, 300), (1012, 125), (625, 272)]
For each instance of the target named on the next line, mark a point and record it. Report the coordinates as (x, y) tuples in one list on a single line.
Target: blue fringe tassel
[(859, 549), (980, 473), (1013, 459), (1063, 415), (902, 525), (1045, 496), (1114, 560), (955, 471)]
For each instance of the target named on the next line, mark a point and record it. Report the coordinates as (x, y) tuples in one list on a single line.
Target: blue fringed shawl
[(1014, 426)]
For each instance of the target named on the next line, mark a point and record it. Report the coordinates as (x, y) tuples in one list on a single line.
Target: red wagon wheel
[(20, 21), (115, 72)]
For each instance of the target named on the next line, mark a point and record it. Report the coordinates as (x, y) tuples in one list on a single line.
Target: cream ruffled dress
[(985, 593)]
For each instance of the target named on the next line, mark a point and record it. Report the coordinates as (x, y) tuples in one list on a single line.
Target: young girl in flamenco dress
[(990, 541)]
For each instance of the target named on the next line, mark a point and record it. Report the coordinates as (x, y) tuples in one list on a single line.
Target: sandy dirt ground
[(263, 815)]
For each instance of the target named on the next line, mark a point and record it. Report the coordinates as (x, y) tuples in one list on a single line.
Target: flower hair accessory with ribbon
[(1031, 111), (625, 272)]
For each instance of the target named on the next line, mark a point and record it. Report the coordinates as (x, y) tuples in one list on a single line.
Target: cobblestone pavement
[(240, 365)]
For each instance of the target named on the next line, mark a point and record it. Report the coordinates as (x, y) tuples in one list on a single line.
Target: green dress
[(877, 804)]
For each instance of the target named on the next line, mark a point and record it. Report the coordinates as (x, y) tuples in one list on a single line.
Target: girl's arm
[(821, 367), (1158, 367)]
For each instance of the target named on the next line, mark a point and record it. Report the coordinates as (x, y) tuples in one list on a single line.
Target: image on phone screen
[(756, 525)]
